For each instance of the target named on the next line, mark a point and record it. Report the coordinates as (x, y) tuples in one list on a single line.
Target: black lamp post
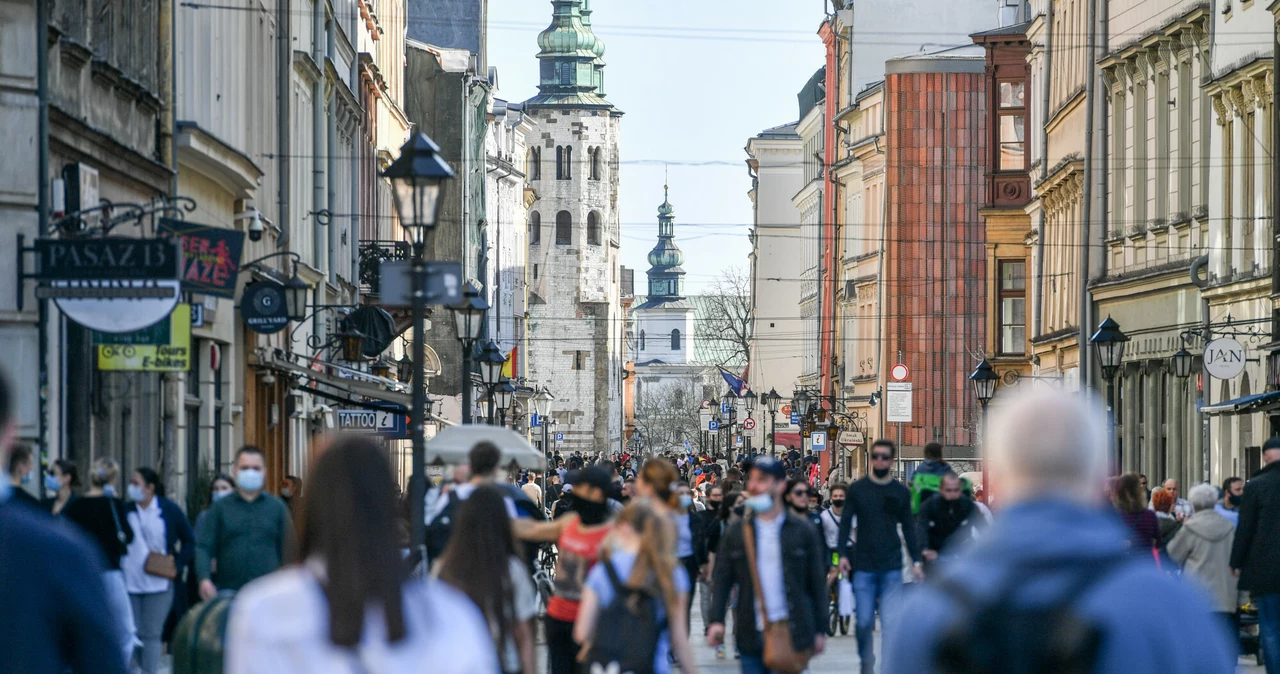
[(417, 180), (295, 297), (542, 405), (728, 405), (984, 380), (749, 401), (772, 400), (504, 395), (1182, 361), (1109, 343), (491, 361), (468, 318)]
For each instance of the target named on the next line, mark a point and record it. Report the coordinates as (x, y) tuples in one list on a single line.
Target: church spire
[(666, 276), (572, 59)]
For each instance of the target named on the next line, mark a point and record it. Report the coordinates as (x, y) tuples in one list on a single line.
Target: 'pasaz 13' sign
[(1224, 358), (110, 258)]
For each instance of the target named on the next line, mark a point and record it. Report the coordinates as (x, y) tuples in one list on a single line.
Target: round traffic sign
[(900, 372), (706, 404), (749, 423)]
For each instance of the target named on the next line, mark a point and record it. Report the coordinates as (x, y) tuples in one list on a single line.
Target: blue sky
[(696, 78)]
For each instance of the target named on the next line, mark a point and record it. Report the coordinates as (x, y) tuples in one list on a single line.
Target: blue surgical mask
[(51, 483), (249, 479), (5, 487), (685, 500), (219, 495), (135, 493), (761, 503), (26, 479)]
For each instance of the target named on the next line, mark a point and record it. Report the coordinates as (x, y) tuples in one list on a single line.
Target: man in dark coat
[(788, 560), (947, 518), (1255, 554)]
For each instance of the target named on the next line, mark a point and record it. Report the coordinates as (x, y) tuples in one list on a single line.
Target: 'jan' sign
[(1224, 358)]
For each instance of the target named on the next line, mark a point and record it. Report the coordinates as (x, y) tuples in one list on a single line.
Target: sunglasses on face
[(801, 492), (881, 457)]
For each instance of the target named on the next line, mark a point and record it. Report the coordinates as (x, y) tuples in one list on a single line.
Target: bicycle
[(836, 622)]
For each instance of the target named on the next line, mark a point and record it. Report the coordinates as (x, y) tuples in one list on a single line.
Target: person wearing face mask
[(882, 505), (1232, 495), (799, 497), (63, 479), (691, 540), (220, 488), (711, 528), (578, 536), (249, 533), (774, 557), (163, 545), (21, 474), (291, 490), (830, 519), (104, 518)]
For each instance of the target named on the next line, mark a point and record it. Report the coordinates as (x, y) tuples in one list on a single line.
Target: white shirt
[(831, 529), (279, 624), (773, 589), (148, 537)]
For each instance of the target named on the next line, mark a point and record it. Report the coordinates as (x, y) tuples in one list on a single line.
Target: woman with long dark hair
[(1130, 501), (63, 479), (485, 564), (163, 545), (348, 607)]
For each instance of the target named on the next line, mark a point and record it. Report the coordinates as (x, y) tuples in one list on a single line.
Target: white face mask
[(135, 493), (250, 479)]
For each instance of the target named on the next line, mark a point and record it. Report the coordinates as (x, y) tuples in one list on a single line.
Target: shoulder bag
[(780, 654), (157, 564)]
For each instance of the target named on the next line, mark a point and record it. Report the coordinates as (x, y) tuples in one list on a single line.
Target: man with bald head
[(1055, 562)]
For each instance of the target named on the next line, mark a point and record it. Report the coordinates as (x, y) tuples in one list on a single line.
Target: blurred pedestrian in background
[(1128, 497), (349, 607), (578, 536), (1255, 553), (63, 479), (1182, 509), (104, 518), (249, 533), (22, 470), (291, 491), (947, 521), (163, 545), (1232, 497), (1055, 564), (1162, 501), (639, 558), (799, 497), (54, 613), (220, 488), (486, 565), (1202, 547)]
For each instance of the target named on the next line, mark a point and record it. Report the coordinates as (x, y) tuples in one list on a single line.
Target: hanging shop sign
[(163, 347), (111, 284), (1224, 358), (210, 256), (263, 307)]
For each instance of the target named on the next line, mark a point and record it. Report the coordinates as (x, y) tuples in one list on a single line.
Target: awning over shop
[(342, 384), (787, 440), (1244, 404)]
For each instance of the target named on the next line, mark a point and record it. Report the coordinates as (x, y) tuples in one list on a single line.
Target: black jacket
[(940, 520), (804, 576), (1255, 551)]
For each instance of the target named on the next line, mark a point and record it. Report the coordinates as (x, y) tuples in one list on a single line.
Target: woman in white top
[(349, 608), (485, 566), (160, 531)]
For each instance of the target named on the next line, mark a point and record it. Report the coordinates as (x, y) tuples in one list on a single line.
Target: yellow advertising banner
[(165, 347)]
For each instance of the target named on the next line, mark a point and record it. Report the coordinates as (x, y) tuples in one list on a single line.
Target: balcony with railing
[(372, 255)]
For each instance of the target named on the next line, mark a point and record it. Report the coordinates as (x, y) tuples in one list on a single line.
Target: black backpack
[(439, 529), (995, 635), (627, 630)]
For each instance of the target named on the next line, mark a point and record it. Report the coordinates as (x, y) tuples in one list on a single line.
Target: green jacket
[(248, 539)]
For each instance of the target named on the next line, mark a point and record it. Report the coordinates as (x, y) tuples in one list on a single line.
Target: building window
[(535, 272), (593, 229), (675, 340), (642, 340), (1012, 116), (566, 73), (564, 229), (564, 162), (594, 154), (535, 163), (1013, 307), (579, 359), (535, 228)]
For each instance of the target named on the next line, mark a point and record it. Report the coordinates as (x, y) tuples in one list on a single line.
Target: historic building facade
[(575, 335)]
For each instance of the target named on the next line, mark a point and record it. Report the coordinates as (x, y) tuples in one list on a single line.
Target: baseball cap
[(771, 467), (1271, 443)]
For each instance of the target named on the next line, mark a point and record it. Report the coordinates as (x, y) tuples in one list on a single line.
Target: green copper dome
[(571, 58), (666, 276)]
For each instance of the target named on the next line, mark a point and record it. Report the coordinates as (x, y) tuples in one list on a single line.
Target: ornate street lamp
[(295, 297), (542, 406), (750, 399), (504, 395), (381, 368), (1182, 361), (771, 401), (417, 180), (468, 318), (984, 381), (404, 368), (352, 344), (1109, 343), (491, 361)]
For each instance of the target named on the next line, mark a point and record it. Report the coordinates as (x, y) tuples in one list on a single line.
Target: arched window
[(559, 162), (535, 228), (568, 163), (593, 229), (675, 340), (642, 340), (595, 163), (564, 229), (535, 163)]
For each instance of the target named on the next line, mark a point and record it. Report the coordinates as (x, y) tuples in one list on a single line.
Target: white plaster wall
[(777, 345)]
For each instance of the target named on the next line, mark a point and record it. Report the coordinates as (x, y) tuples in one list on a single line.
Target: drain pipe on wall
[(318, 134), (1086, 222), (1044, 163), (331, 158)]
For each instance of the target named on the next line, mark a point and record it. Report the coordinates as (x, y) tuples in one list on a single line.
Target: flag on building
[(735, 382), (509, 367)]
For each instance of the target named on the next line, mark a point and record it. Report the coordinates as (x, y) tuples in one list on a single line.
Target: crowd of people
[(605, 556)]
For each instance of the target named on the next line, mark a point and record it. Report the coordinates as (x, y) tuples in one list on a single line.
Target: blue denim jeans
[(753, 664), (1269, 629), (869, 589)]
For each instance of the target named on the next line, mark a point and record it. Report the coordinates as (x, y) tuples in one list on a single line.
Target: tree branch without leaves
[(725, 326)]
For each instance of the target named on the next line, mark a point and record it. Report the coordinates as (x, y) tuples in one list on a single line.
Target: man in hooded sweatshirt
[(927, 479), (1056, 553)]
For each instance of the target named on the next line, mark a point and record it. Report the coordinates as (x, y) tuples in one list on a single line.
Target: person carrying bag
[(780, 654)]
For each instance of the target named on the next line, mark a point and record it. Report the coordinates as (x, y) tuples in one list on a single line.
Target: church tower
[(575, 316)]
